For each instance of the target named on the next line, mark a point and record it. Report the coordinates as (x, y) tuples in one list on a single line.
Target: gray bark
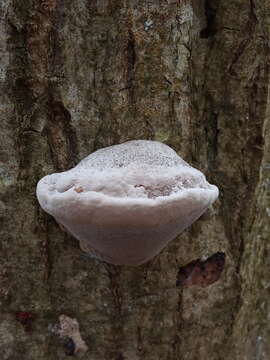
[(80, 75)]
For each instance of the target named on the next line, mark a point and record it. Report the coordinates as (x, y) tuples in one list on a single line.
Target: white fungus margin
[(124, 203)]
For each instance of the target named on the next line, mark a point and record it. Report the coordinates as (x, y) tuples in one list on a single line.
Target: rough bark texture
[(80, 75)]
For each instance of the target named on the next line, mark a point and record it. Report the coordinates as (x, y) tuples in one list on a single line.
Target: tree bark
[(80, 75)]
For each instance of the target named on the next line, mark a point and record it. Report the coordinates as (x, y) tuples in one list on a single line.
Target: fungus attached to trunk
[(124, 203)]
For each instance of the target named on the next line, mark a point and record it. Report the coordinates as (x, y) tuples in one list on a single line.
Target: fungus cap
[(125, 202)]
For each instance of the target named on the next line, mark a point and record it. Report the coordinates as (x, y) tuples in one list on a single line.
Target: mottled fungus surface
[(124, 203)]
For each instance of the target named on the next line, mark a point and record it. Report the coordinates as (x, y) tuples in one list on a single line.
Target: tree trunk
[(80, 75)]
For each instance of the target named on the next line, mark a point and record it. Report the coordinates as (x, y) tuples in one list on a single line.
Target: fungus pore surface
[(124, 203)]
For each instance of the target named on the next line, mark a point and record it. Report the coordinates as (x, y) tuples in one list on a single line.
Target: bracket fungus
[(125, 202)]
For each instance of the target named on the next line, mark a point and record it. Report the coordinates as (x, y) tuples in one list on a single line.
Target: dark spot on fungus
[(78, 189), (201, 273)]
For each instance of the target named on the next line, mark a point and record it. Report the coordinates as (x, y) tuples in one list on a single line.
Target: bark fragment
[(202, 273)]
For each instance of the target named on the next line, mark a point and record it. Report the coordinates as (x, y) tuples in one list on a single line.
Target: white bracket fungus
[(124, 203)]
